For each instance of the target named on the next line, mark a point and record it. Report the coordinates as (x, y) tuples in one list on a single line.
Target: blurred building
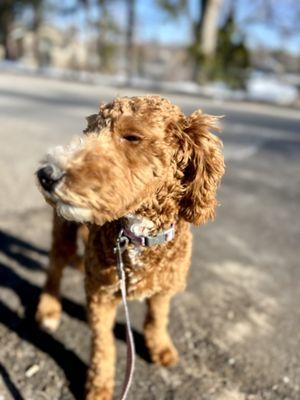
[(50, 46), (162, 62)]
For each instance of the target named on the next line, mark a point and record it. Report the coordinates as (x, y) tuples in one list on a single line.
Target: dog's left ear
[(92, 123), (204, 168)]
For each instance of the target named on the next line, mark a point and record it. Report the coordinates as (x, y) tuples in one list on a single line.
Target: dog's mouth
[(73, 213), (64, 209)]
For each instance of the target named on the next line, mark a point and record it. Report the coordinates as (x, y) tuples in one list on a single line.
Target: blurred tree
[(106, 29), (7, 14), (204, 31), (38, 9), (130, 28), (10, 10), (100, 21), (280, 16), (173, 7)]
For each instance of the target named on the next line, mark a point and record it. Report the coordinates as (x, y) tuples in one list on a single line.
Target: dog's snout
[(49, 176)]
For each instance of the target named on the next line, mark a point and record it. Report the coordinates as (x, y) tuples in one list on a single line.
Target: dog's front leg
[(159, 343), (100, 382), (63, 251)]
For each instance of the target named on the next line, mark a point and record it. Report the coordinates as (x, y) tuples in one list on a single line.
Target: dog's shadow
[(21, 251), (11, 387), (26, 328)]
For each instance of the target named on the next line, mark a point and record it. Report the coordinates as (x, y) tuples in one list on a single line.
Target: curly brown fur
[(141, 159)]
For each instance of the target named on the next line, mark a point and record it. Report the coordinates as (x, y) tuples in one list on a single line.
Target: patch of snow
[(260, 87), (271, 89)]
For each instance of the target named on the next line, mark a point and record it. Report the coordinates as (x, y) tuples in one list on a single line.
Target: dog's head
[(136, 151)]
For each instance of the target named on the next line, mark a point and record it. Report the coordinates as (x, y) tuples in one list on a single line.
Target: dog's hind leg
[(159, 343), (63, 252)]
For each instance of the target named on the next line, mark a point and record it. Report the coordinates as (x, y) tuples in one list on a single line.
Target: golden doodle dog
[(146, 167)]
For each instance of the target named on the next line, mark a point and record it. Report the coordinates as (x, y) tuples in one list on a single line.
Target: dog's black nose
[(49, 176)]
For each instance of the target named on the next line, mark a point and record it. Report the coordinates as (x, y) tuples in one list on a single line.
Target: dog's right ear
[(92, 123), (202, 165)]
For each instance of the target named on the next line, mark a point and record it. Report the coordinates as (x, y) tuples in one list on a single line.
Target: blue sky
[(158, 26), (153, 24)]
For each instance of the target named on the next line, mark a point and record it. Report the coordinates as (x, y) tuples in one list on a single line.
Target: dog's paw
[(50, 323), (48, 312), (166, 356), (99, 394)]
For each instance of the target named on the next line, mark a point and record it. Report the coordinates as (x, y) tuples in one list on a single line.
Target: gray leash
[(121, 245)]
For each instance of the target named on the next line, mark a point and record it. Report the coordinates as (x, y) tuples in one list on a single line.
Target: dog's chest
[(136, 272), (134, 258), (142, 279)]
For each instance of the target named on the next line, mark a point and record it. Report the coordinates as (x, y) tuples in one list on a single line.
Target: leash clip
[(121, 245)]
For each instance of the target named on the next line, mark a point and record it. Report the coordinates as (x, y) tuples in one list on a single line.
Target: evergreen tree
[(232, 60)]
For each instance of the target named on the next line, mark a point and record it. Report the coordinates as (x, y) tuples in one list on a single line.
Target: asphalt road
[(237, 326)]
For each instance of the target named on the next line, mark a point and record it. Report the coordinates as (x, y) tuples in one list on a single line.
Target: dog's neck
[(160, 211)]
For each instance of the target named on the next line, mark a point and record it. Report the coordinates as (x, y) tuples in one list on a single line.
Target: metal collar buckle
[(148, 240)]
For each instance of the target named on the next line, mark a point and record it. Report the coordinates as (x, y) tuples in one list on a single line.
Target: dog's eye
[(132, 138)]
